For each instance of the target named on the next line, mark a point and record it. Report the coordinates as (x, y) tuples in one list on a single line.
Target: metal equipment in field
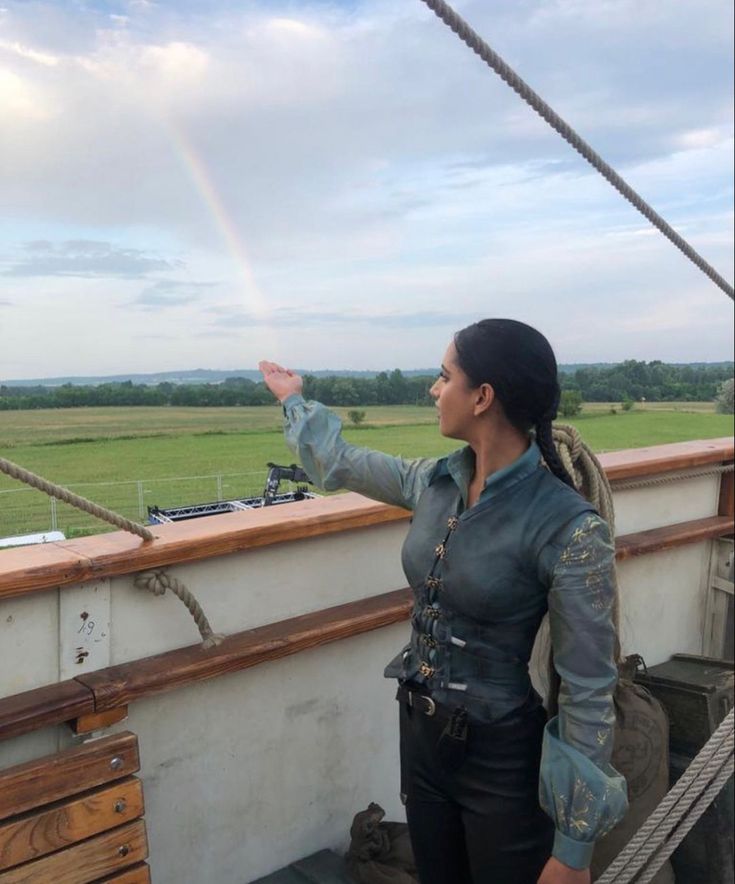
[(271, 496)]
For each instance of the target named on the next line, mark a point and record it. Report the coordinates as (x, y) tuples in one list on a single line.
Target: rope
[(709, 795), (158, 582), (586, 470), (63, 494), (696, 473), (493, 60), (690, 797)]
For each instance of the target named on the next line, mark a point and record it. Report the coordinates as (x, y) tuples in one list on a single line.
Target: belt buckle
[(430, 707)]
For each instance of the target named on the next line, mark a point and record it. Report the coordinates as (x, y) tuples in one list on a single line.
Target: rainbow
[(201, 179)]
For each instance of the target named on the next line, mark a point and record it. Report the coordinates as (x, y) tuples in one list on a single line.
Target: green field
[(127, 458)]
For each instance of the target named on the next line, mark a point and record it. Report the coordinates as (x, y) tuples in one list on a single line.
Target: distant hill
[(213, 376), (193, 376)]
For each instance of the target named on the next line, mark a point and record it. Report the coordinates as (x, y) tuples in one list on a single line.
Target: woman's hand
[(280, 381), (555, 872)]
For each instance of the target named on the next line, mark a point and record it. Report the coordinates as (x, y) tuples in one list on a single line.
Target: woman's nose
[(434, 392)]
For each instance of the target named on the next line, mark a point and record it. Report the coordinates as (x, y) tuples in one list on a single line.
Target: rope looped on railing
[(159, 581), (156, 582)]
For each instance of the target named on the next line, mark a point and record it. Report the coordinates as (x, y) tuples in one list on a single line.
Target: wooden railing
[(98, 698)]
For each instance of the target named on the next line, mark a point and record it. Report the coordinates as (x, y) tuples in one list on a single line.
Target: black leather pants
[(479, 823)]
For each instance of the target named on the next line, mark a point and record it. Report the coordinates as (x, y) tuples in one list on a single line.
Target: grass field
[(127, 458)]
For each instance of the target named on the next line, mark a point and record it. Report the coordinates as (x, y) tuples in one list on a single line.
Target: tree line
[(631, 380)]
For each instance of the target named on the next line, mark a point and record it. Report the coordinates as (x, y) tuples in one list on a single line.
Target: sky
[(344, 184)]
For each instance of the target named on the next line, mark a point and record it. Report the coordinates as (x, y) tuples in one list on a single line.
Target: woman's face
[(455, 398)]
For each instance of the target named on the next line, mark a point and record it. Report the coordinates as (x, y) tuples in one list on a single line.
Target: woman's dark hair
[(519, 364)]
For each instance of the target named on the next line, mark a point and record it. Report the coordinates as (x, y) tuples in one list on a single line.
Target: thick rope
[(159, 581), (699, 781), (708, 796), (586, 470), (679, 475), (491, 58), (63, 494), (156, 582)]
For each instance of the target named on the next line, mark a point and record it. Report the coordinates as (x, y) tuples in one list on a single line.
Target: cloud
[(347, 166), (171, 293), (85, 258), (285, 318)]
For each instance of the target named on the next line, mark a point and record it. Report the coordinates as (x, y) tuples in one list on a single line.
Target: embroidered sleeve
[(314, 434), (579, 789)]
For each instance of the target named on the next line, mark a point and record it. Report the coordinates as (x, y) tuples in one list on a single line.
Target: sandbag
[(641, 755), (380, 853)]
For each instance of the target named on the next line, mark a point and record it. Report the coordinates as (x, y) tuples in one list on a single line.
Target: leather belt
[(418, 701)]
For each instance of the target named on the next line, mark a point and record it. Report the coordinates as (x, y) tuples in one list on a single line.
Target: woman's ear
[(484, 398)]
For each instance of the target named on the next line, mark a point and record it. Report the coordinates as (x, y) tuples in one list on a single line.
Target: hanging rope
[(493, 60), (159, 581), (63, 494), (669, 824)]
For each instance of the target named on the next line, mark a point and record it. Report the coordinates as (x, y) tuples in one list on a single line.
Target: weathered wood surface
[(118, 685), (54, 777), (51, 704), (97, 721), (37, 833), (119, 552), (85, 862), (49, 565), (659, 539), (632, 463), (726, 504), (136, 875)]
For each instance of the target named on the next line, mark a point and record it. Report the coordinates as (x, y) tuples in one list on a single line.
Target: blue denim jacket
[(483, 578)]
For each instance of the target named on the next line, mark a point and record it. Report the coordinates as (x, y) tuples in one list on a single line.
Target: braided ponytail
[(545, 442)]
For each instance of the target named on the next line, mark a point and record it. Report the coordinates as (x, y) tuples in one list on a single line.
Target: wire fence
[(27, 511)]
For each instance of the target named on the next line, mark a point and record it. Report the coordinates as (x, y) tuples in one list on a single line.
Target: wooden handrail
[(119, 685), (47, 566)]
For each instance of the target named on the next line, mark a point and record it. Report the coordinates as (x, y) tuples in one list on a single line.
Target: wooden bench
[(75, 817)]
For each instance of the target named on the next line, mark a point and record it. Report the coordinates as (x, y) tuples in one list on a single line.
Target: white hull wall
[(248, 772)]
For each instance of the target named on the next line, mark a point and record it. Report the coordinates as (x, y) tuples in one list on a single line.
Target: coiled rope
[(494, 61), (156, 582), (586, 470)]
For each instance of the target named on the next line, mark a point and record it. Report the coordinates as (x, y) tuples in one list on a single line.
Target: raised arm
[(314, 434)]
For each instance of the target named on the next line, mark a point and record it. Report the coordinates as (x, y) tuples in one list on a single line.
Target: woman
[(495, 541)]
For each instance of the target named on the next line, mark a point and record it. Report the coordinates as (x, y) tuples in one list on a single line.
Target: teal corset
[(479, 596), (481, 587)]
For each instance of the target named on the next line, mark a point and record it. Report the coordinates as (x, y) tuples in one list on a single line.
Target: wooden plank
[(53, 777), (64, 823), (726, 504), (119, 685), (659, 539), (96, 721), (632, 463), (85, 862), (33, 569), (51, 704), (136, 875), (118, 552)]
